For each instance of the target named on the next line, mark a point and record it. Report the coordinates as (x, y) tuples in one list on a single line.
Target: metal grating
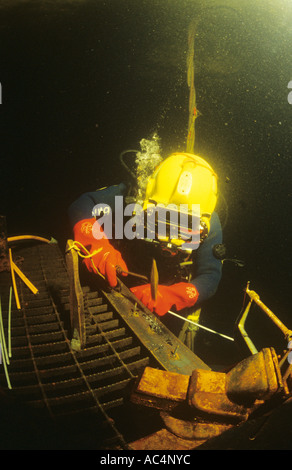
[(44, 371)]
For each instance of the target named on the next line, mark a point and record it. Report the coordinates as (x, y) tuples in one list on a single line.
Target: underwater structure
[(100, 371)]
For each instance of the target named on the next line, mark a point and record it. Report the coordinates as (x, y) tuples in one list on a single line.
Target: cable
[(4, 349), (78, 247), (30, 237), (193, 112), (9, 322), (125, 165), (13, 281)]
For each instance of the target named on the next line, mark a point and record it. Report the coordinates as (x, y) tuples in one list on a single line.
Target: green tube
[(5, 367), (3, 349), (9, 322)]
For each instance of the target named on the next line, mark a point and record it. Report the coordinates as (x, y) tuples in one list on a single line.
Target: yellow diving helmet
[(184, 179)]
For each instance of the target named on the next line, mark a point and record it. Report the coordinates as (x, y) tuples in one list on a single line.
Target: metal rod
[(288, 372), (120, 271), (241, 327), (256, 298), (201, 326)]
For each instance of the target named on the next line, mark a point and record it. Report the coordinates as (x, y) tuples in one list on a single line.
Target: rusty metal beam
[(164, 346), (76, 300)]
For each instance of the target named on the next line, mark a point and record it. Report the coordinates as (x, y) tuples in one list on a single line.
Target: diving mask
[(175, 229)]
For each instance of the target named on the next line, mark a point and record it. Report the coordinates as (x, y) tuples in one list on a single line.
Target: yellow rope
[(29, 237), (78, 247)]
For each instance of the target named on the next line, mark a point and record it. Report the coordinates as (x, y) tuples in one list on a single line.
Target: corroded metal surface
[(90, 386), (165, 347), (208, 403), (164, 440), (76, 299), (4, 256), (45, 372)]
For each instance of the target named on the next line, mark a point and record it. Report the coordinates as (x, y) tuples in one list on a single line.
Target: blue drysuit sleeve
[(208, 269), (82, 207)]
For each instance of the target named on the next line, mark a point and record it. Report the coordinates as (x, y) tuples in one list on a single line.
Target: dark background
[(83, 81)]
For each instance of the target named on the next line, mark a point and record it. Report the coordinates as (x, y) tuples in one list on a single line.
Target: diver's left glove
[(103, 257), (180, 295)]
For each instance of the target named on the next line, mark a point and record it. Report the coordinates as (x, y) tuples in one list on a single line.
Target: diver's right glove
[(180, 295), (103, 257)]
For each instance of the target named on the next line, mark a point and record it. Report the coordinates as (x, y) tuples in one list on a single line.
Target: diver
[(188, 271)]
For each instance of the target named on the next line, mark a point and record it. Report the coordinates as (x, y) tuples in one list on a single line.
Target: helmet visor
[(176, 225)]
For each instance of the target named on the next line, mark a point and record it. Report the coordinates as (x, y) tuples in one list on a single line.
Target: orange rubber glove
[(106, 258), (182, 295)]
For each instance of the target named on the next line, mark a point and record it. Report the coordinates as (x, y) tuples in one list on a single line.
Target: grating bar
[(32, 392)]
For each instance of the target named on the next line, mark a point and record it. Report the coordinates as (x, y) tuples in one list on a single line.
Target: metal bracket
[(76, 299)]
